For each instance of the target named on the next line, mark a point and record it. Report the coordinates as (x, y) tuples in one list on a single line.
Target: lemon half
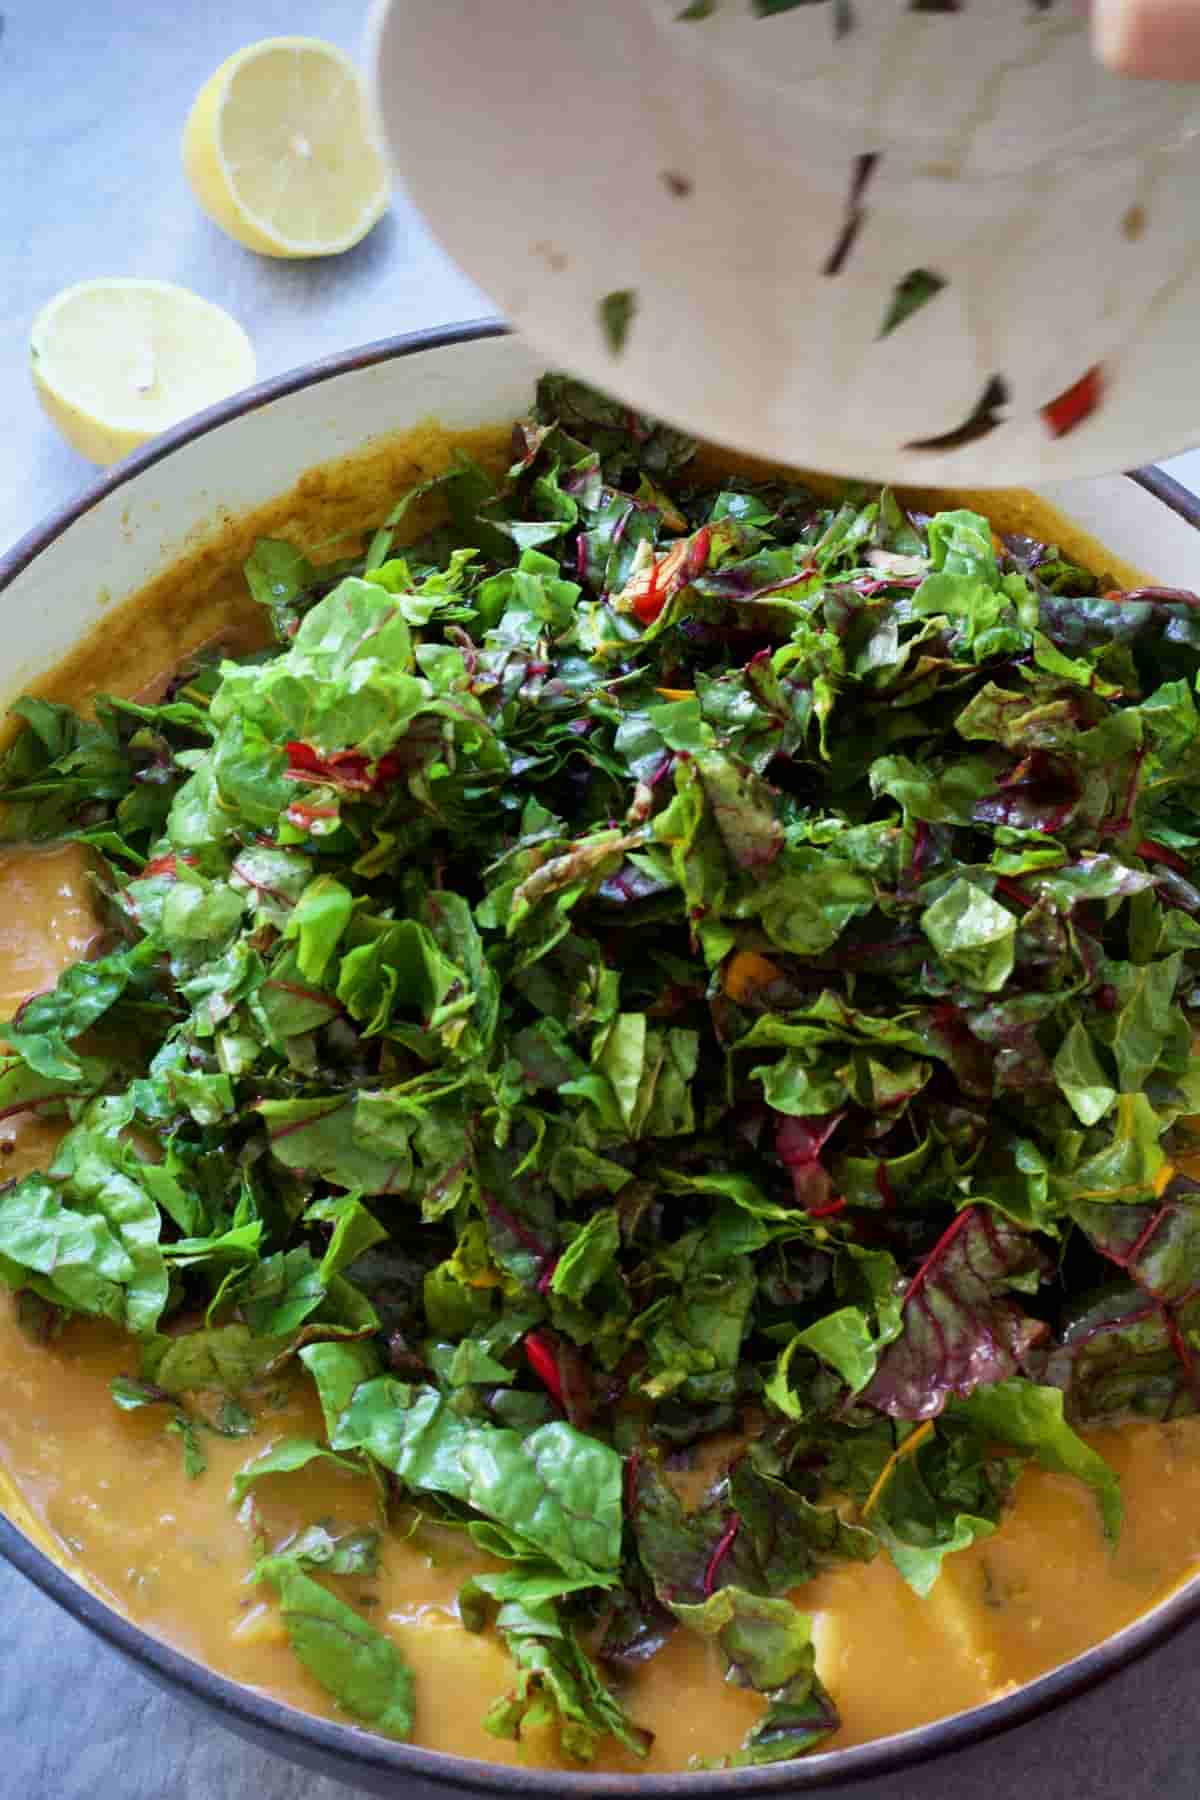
[(117, 361), (280, 153)]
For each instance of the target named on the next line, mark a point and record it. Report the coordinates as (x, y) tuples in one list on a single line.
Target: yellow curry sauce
[(105, 1491)]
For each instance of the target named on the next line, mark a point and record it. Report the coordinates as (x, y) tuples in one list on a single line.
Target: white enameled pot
[(134, 523)]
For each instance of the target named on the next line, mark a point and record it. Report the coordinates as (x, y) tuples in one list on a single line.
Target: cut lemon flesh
[(116, 361), (280, 152)]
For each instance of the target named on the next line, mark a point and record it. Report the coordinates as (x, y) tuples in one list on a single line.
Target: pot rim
[(254, 1713)]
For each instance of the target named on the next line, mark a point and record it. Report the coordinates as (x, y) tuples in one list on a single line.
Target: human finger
[(1156, 39)]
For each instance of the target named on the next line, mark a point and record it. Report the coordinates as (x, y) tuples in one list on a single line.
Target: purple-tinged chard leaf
[(959, 1326)]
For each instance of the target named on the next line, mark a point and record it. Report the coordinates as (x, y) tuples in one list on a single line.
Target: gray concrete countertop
[(92, 105), (92, 102)]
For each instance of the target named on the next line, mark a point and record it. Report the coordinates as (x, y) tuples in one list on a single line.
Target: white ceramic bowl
[(134, 522), (765, 187)]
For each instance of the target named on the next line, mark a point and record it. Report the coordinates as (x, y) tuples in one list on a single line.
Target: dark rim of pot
[(323, 1738)]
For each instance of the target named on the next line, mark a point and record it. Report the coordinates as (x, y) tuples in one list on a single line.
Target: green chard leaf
[(285, 1458), (556, 1491), (358, 1666), (1029, 1419)]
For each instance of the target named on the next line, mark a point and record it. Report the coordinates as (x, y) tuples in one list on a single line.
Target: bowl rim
[(255, 1714)]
